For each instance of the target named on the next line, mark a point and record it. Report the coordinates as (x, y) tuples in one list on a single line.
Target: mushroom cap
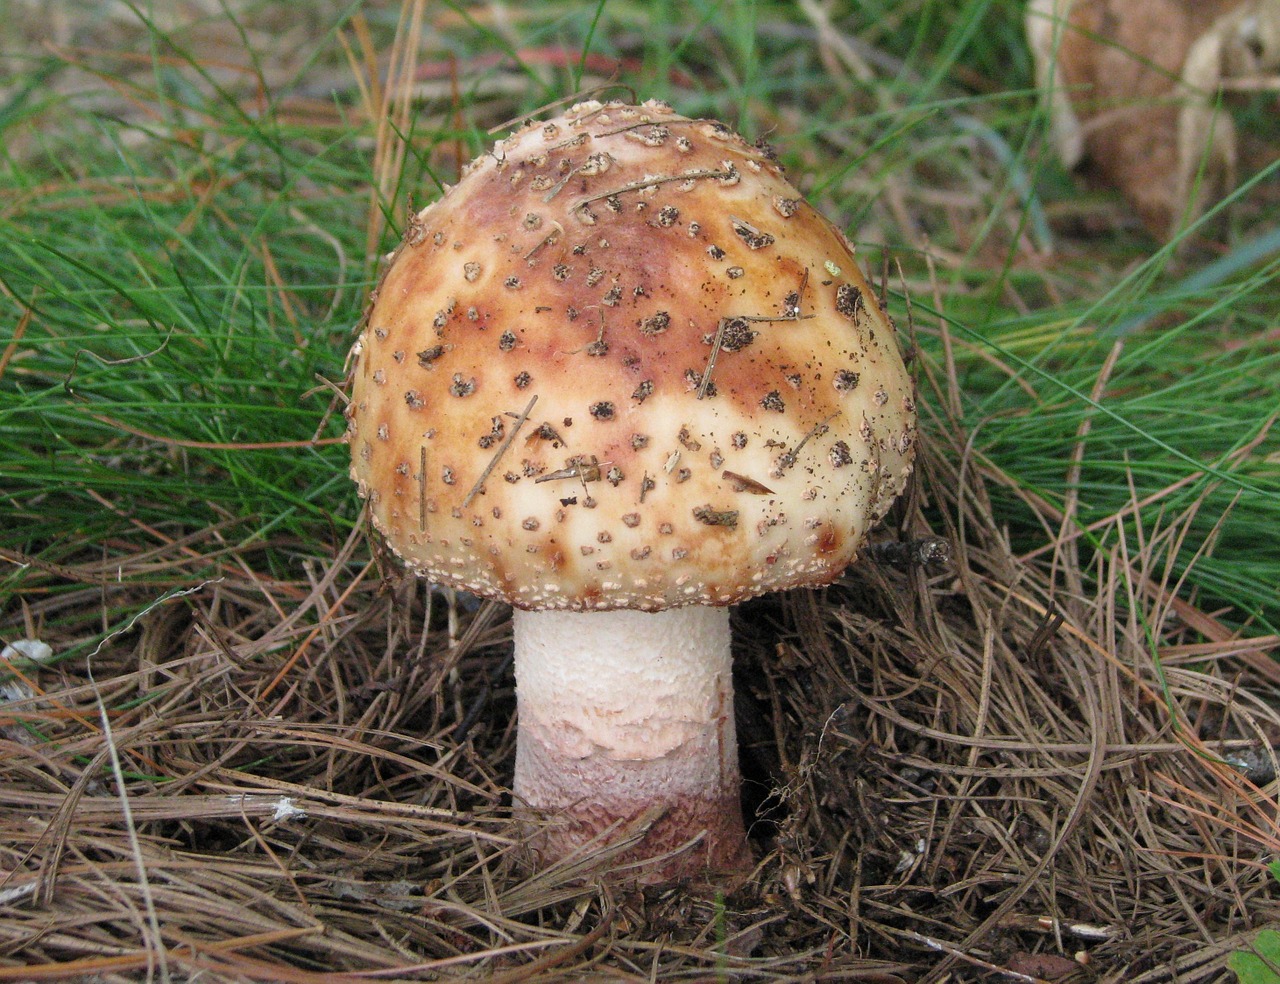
[(623, 364)]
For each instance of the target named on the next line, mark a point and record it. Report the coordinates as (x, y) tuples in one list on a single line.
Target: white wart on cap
[(623, 364)]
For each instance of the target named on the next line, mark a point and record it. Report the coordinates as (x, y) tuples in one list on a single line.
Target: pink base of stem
[(582, 804)]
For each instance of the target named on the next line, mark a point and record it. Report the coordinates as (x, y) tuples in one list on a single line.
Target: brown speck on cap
[(749, 234), (735, 335), (848, 300), (496, 430), (692, 357), (716, 517), (655, 324), (845, 380)]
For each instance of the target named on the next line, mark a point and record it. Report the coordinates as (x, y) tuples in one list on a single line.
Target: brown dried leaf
[(1132, 87)]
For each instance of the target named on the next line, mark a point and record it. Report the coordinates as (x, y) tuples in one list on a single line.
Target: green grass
[(182, 259)]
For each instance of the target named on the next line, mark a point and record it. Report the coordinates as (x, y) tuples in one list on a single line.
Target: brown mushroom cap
[(531, 416)]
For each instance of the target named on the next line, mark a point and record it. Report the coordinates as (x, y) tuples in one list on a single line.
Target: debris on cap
[(622, 363)]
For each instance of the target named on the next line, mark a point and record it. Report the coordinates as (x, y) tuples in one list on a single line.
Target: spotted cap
[(623, 364)]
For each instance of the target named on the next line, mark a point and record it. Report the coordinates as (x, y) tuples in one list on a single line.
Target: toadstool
[(1134, 85), (621, 377)]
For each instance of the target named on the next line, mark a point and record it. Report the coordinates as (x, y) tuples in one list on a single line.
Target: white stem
[(621, 713)]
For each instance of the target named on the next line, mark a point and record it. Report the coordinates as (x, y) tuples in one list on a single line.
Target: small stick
[(422, 490), (653, 182), (551, 237), (777, 317), (493, 462), (789, 459), (637, 126), (563, 100), (559, 185), (711, 359), (956, 953)]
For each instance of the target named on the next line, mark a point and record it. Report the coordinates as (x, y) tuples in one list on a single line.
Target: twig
[(493, 462), (790, 458), (705, 382), (693, 175)]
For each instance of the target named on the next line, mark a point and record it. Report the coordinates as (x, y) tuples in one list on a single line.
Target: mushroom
[(1133, 86), (621, 377)]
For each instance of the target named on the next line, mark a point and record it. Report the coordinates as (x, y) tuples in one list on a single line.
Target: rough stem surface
[(624, 714)]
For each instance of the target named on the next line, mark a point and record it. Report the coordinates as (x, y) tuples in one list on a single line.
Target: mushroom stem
[(623, 715)]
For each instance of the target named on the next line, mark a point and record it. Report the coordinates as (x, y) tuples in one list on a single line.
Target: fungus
[(1133, 87), (621, 559)]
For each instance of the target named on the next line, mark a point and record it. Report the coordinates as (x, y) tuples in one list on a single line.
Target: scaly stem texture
[(626, 720)]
